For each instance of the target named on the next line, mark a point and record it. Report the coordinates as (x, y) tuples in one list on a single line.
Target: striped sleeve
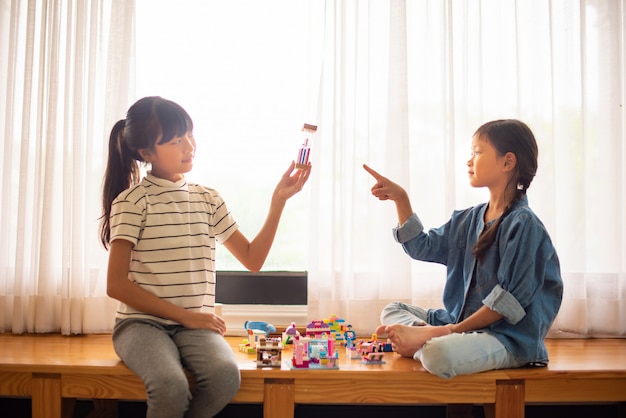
[(128, 213)]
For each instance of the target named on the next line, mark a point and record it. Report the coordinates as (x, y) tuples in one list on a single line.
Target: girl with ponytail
[(161, 233), (503, 287)]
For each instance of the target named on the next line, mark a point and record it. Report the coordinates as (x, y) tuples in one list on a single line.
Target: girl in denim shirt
[(503, 287)]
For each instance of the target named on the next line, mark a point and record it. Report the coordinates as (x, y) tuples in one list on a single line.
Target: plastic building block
[(259, 325)]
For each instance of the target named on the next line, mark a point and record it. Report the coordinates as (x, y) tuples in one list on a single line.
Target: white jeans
[(453, 354)]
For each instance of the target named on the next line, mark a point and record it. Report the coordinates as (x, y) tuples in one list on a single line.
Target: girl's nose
[(191, 145)]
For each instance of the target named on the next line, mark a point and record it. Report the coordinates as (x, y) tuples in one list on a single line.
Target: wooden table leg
[(279, 398), (510, 398), (46, 395)]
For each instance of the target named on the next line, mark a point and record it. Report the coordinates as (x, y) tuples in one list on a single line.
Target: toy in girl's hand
[(305, 152)]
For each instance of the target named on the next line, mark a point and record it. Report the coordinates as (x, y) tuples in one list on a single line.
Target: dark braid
[(489, 235), (513, 136)]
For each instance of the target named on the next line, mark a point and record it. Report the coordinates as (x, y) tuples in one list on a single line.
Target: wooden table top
[(48, 352)]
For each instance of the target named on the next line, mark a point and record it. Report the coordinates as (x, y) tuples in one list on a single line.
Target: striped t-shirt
[(174, 227)]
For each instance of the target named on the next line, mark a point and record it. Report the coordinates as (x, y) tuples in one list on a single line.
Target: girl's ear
[(510, 161), (146, 154)]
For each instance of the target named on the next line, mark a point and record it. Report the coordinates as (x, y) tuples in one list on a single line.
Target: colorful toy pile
[(317, 349)]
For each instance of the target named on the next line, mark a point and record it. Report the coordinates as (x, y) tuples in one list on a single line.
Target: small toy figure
[(349, 336)]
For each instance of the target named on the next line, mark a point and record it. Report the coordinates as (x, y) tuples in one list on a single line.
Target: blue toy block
[(259, 325)]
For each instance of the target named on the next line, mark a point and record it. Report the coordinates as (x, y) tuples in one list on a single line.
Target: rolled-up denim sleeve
[(504, 303), (411, 228)]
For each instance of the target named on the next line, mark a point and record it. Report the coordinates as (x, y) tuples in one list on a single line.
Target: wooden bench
[(53, 370)]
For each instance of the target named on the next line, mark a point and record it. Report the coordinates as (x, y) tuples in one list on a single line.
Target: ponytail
[(122, 172), (149, 120)]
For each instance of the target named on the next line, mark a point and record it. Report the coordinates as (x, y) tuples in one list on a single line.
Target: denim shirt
[(519, 276)]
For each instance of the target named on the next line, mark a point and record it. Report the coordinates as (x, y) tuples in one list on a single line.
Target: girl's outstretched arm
[(252, 254), (122, 289), (385, 189)]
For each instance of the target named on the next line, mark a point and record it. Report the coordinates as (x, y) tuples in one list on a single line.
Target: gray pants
[(159, 355)]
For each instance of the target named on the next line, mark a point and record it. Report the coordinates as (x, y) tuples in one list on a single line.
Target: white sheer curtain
[(404, 86), (66, 76)]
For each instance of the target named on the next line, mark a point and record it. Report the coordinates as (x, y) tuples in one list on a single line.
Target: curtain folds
[(406, 84), (403, 86), (66, 67)]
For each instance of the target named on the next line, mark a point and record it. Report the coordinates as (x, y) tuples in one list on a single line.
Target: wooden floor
[(50, 368)]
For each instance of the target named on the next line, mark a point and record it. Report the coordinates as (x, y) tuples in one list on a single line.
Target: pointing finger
[(373, 172)]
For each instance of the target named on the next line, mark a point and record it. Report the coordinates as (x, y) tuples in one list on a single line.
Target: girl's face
[(485, 165), (172, 159)]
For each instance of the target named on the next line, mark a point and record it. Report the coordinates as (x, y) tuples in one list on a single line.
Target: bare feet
[(381, 330), (406, 340)]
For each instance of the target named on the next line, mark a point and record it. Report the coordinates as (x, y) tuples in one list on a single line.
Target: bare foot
[(381, 330), (406, 340)]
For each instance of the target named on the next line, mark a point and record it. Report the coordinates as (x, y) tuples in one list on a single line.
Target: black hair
[(149, 121), (514, 136)]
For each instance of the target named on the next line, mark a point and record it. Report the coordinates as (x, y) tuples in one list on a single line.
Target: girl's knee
[(228, 385), (169, 394), (468, 353), (390, 311), (437, 357), (221, 378), (229, 379), (401, 313), (213, 391)]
